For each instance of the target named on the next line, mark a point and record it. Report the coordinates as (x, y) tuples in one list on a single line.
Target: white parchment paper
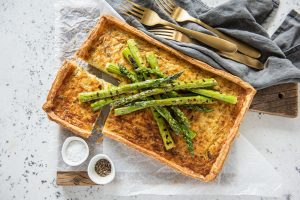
[(246, 172)]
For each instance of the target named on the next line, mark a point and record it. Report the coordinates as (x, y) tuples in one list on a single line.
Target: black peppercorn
[(103, 167)]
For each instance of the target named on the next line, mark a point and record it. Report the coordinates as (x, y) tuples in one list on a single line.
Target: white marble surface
[(28, 66)]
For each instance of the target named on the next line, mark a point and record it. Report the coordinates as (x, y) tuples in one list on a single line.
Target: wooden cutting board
[(279, 100)]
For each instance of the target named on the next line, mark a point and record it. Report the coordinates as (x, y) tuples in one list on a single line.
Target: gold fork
[(181, 15), (171, 34), (150, 18)]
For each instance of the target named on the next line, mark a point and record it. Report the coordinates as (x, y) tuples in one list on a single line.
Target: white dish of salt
[(74, 151)]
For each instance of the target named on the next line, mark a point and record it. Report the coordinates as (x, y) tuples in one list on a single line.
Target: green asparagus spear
[(189, 143), (160, 122), (147, 93), (188, 134), (197, 108), (128, 74), (126, 53), (135, 52), (163, 130), (134, 58), (184, 123), (148, 71), (180, 85), (163, 102), (216, 95), (181, 116), (136, 62), (152, 60), (168, 117), (121, 71), (113, 91), (113, 69), (97, 105)]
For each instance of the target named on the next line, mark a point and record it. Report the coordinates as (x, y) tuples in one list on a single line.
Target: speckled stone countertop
[(27, 156)]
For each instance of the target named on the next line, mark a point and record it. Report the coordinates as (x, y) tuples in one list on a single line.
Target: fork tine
[(165, 37), (165, 28), (136, 5), (129, 11), (137, 15), (171, 2), (157, 33), (123, 10), (169, 35), (171, 6), (161, 31), (137, 10), (163, 6)]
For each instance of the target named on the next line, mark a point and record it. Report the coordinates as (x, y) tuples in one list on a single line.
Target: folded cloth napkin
[(243, 20)]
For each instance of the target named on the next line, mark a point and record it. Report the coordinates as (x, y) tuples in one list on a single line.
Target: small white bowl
[(93, 174), (64, 149)]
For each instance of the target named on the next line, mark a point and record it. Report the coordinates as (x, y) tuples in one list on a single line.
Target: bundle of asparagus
[(151, 88)]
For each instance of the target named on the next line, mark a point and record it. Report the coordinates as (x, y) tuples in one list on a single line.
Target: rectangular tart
[(215, 131), (62, 105)]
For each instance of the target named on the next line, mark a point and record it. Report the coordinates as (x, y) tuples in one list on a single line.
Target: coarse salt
[(75, 151)]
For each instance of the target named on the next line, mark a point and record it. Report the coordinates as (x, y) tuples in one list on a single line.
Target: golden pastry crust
[(62, 105), (215, 131)]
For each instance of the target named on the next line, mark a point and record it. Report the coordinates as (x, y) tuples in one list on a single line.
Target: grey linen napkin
[(243, 20)]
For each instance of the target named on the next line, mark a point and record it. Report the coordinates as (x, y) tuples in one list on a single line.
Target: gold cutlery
[(181, 15), (171, 34), (150, 18)]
